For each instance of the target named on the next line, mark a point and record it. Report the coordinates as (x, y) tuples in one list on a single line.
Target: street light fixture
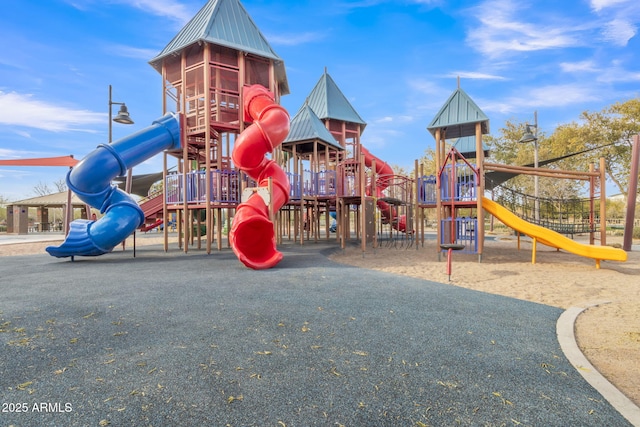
[(123, 115), (528, 135), (533, 137), (122, 118)]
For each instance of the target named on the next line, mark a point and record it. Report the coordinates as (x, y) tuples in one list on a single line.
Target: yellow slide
[(550, 237)]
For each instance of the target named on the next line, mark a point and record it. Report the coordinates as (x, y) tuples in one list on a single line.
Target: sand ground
[(608, 334)]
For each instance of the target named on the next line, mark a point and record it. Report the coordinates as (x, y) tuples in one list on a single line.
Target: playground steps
[(152, 208)]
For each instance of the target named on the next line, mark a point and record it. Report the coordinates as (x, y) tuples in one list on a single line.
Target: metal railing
[(464, 184), (427, 190), (464, 232), (309, 184), (225, 187)]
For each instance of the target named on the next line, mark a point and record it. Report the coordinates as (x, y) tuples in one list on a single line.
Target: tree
[(428, 162), (61, 185), (156, 187), (607, 133), (42, 189), (506, 149), (399, 170), (3, 208)]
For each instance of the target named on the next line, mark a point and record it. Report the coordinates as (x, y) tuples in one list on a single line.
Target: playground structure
[(551, 238), (461, 188), (252, 235), (91, 181), (206, 79), (243, 166)]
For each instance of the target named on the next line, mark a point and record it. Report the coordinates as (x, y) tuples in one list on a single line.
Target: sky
[(396, 61)]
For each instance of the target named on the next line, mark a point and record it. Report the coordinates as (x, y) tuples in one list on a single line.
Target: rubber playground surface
[(195, 339)]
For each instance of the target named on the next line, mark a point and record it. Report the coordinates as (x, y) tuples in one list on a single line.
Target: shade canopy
[(68, 161)]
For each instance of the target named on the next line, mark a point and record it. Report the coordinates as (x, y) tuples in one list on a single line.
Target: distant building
[(621, 198)]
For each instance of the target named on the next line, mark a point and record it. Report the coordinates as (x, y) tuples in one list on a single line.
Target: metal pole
[(129, 171), (110, 125), (536, 182), (632, 195)]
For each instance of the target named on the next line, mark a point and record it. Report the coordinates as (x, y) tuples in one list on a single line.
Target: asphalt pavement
[(200, 340)]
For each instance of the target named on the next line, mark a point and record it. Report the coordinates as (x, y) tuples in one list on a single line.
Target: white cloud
[(295, 39), (474, 75), (502, 30), (426, 87), (23, 133), (598, 5), (580, 66), (619, 31), (23, 110), (495, 106), (6, 153), (132, 52), (175, 10), (550, 96), (378, 137), (618, 20), (616, 73), (171, 9)]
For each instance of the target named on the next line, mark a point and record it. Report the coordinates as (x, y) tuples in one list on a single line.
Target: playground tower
[(333, 173), (459, 213), (325, 137), (324, 143), (205, 69), (313, 156)]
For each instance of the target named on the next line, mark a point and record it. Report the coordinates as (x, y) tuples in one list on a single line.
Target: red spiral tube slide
[(252, 234)]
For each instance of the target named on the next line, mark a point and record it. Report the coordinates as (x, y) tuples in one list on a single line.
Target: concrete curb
[(565, 328)]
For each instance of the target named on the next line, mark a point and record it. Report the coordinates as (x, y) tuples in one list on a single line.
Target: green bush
[(203, 230)]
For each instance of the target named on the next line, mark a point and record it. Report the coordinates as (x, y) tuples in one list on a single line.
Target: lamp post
[(533, 137), (122, 118)]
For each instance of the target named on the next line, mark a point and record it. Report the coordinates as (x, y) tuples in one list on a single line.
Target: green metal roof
[(306, 126), (328, 102), (459, 116), (467, 147), (224, 23)]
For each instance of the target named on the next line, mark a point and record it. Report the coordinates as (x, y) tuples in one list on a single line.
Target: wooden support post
[(179, 227), (374, 194), (207, 123), (185, 158), (272, 216), (416, 180), (592, 195), (303, 219), (479, 190), (363, 205), (603, 204), (198, 232), (632, 195), (217, 218), (438, 194), (165, 210)]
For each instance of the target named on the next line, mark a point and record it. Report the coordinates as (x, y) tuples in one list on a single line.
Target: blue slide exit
[(91, 180)]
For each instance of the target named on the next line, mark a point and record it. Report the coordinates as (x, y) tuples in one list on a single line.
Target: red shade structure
[(68, 161)]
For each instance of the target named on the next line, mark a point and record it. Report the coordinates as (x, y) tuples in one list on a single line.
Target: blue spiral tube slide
[(91, 180)]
